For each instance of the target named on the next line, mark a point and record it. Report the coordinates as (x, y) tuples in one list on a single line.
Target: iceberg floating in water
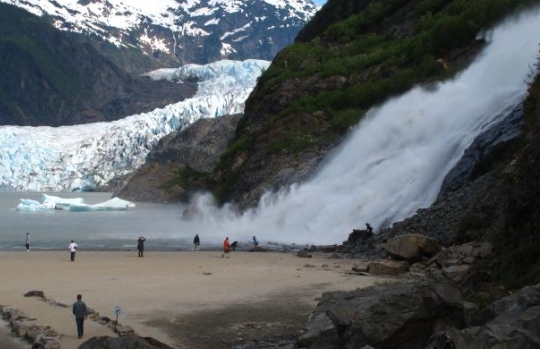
[(114, 204), (51, 203)]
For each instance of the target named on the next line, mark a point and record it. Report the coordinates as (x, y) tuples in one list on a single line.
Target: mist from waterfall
[(395, 159)]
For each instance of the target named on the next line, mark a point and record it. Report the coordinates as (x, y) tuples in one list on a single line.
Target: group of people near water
[(227, 245)]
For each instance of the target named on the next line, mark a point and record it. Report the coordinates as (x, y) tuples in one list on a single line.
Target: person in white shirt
[(72, 249)]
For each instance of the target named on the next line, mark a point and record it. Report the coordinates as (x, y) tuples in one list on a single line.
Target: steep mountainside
[(175, 32), (51, 78), (317, 88), (180, 161)]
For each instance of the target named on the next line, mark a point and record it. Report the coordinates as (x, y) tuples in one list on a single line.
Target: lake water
[(161, 224)]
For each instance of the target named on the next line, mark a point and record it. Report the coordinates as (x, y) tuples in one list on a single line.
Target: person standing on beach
[(196, 243), (72, 250), (226, 248), (255, 242), (81, 313), (140, 245), (27, 242)]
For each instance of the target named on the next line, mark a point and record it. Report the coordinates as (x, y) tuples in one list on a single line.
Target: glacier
[(84, 157)]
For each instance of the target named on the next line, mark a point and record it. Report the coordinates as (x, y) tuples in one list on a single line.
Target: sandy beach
[(192, 299)]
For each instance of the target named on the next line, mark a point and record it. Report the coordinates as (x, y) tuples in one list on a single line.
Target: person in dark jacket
[(140, 245), (196, 243), (81, 313)]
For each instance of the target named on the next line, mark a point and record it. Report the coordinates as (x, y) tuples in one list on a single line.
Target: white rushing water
[(395, 160)]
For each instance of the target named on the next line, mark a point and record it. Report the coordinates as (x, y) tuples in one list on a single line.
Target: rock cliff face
[(53, 79), (180, 160)]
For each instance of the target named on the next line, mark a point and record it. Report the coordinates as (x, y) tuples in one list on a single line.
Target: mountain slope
[(51, 78), (179, 32), (314, 91)]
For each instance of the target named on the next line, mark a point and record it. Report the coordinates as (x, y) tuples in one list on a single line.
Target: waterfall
[(394, 161)]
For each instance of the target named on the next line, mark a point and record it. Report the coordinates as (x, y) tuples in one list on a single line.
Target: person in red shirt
[(226, 248)]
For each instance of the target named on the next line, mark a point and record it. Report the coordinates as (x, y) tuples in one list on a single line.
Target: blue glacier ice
[(83, 157)]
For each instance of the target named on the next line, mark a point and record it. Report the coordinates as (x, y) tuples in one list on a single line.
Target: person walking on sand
[(196, 243), (72, 250), (81, 313), (140, 245), (27, 242), (226, 248)]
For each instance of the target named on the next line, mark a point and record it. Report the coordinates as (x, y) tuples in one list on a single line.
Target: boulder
[(452, 338), (474, 249), (412, 247), (21, 327), (513, 329), (523, 299), (124, 331), (360, 267), (303, 254), (388, 267), (457, 272), (510, 322), (38, 294), (390, 316)]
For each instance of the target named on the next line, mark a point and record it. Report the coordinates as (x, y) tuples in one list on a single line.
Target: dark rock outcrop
[(527, 297), (39, 294), (129, 342), (478, 158), (396, 316), (511, 322), (193, 152)]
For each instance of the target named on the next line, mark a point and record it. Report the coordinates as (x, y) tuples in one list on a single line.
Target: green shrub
[(222, 191), (291, 142), (184, 178), (238, 146), (342, 120)]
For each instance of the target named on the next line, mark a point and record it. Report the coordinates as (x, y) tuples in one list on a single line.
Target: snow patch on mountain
[(159, 25), (83, 157)]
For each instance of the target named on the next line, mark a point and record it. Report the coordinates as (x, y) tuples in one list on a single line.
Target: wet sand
[(193, 299)]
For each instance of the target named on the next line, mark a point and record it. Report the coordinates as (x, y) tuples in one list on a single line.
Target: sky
[(320, 2)]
